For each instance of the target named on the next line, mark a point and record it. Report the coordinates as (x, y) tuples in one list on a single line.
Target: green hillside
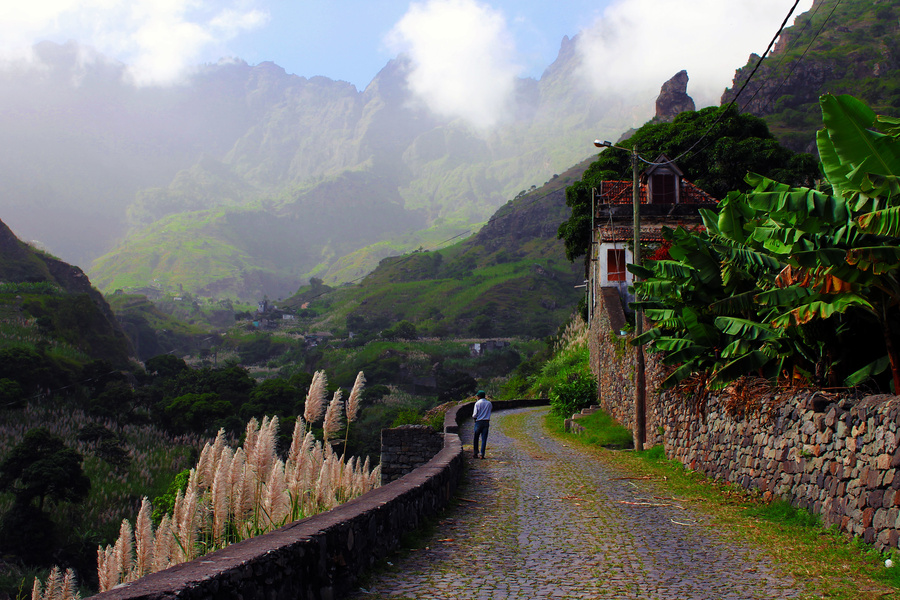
[(510, 279), (835, 47), (337, 180), (265, 248), (49, 307), (154, 331)]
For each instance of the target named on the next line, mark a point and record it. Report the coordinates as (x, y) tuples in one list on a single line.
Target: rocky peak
[(673, 98)]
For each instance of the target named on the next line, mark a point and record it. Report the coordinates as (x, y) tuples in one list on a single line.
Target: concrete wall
[(322, 557), (837, 456)]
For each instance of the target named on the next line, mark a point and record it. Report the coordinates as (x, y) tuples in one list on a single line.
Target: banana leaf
[(679, 374), (647, 336), (702, 333), (733, 212), (876, 367), (670, 269), (657, 288), (822, 307), (639, 271), (750, 258), (836, 171), (659, 314), (888, 125), (736, 303), (747, 363), (877, 259), (745, 328), (736, 348), (881, 222), (785, 296), (673, 344), (687, 355), (849, 123)]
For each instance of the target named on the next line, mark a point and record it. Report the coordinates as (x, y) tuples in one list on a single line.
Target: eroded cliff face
[(838, 48)]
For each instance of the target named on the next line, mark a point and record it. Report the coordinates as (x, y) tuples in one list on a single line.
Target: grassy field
[(831, 564)]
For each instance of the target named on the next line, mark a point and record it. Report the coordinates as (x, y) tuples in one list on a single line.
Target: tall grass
[(235, 494), (154, 454)]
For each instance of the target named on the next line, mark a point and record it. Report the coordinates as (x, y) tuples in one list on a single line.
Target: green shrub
[(407, 416), (577, 391)]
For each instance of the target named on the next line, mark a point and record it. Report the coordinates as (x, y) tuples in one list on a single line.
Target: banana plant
[(747, 293), (844, 246)]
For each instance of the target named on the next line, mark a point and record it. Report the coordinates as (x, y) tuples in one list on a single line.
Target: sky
[(466, 53)]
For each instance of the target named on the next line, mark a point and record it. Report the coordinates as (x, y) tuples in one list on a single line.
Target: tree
[(717, 146), (404, 330), (166, 366), (41, 467), (196, 412), (273, 397)]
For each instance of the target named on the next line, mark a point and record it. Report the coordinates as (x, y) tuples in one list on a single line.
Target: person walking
[(482, 417)]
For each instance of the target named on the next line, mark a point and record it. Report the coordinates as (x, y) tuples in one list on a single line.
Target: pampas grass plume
[(332, 417), (355, 396), (315, 398)]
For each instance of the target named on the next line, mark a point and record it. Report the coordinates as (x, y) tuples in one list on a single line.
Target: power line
[(725, 110), (787, 51)]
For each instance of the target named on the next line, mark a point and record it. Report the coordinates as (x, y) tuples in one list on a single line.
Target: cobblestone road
[(540, 519)]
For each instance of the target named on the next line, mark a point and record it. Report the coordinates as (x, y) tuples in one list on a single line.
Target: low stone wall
[(613, 364), (318, 558), (405, 448), (321, 557)]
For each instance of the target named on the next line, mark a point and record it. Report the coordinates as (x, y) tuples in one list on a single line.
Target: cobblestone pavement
[(540, 519)]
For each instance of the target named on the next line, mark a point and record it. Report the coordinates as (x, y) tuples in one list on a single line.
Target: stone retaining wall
[(406, 448), (613, 364), (836, 456), (321, 557)]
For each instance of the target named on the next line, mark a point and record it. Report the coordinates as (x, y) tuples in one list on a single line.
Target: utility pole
[(640, 409), (640, 418)]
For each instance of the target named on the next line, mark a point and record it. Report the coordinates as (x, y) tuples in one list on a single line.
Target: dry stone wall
[(839, 457), (613, 364), (322, 557)]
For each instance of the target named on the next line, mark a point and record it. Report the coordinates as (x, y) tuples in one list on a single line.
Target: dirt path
[(540, 519)]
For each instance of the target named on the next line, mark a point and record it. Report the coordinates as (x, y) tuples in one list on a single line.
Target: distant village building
[(314, 339), (482, 348)]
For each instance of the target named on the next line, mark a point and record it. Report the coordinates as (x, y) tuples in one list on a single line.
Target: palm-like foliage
[(749, 293)]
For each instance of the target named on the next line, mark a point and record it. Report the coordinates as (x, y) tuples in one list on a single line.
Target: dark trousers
[(481, 430)]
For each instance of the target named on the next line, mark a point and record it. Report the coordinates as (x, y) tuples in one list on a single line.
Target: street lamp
[(640, 426)]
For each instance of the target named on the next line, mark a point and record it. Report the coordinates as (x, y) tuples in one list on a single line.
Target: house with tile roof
[(667, 199)]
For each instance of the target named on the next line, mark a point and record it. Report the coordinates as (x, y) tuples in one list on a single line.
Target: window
[(615, 265), (663, 186)]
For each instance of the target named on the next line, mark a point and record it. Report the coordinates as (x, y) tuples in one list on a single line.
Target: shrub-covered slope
[(510, 279), (48, 303), (836, 47)]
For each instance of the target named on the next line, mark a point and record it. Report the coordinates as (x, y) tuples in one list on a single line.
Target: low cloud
[(637, 45), (161, 40), (463, 58)]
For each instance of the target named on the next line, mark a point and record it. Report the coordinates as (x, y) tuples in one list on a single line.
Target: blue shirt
[(482, 410)]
